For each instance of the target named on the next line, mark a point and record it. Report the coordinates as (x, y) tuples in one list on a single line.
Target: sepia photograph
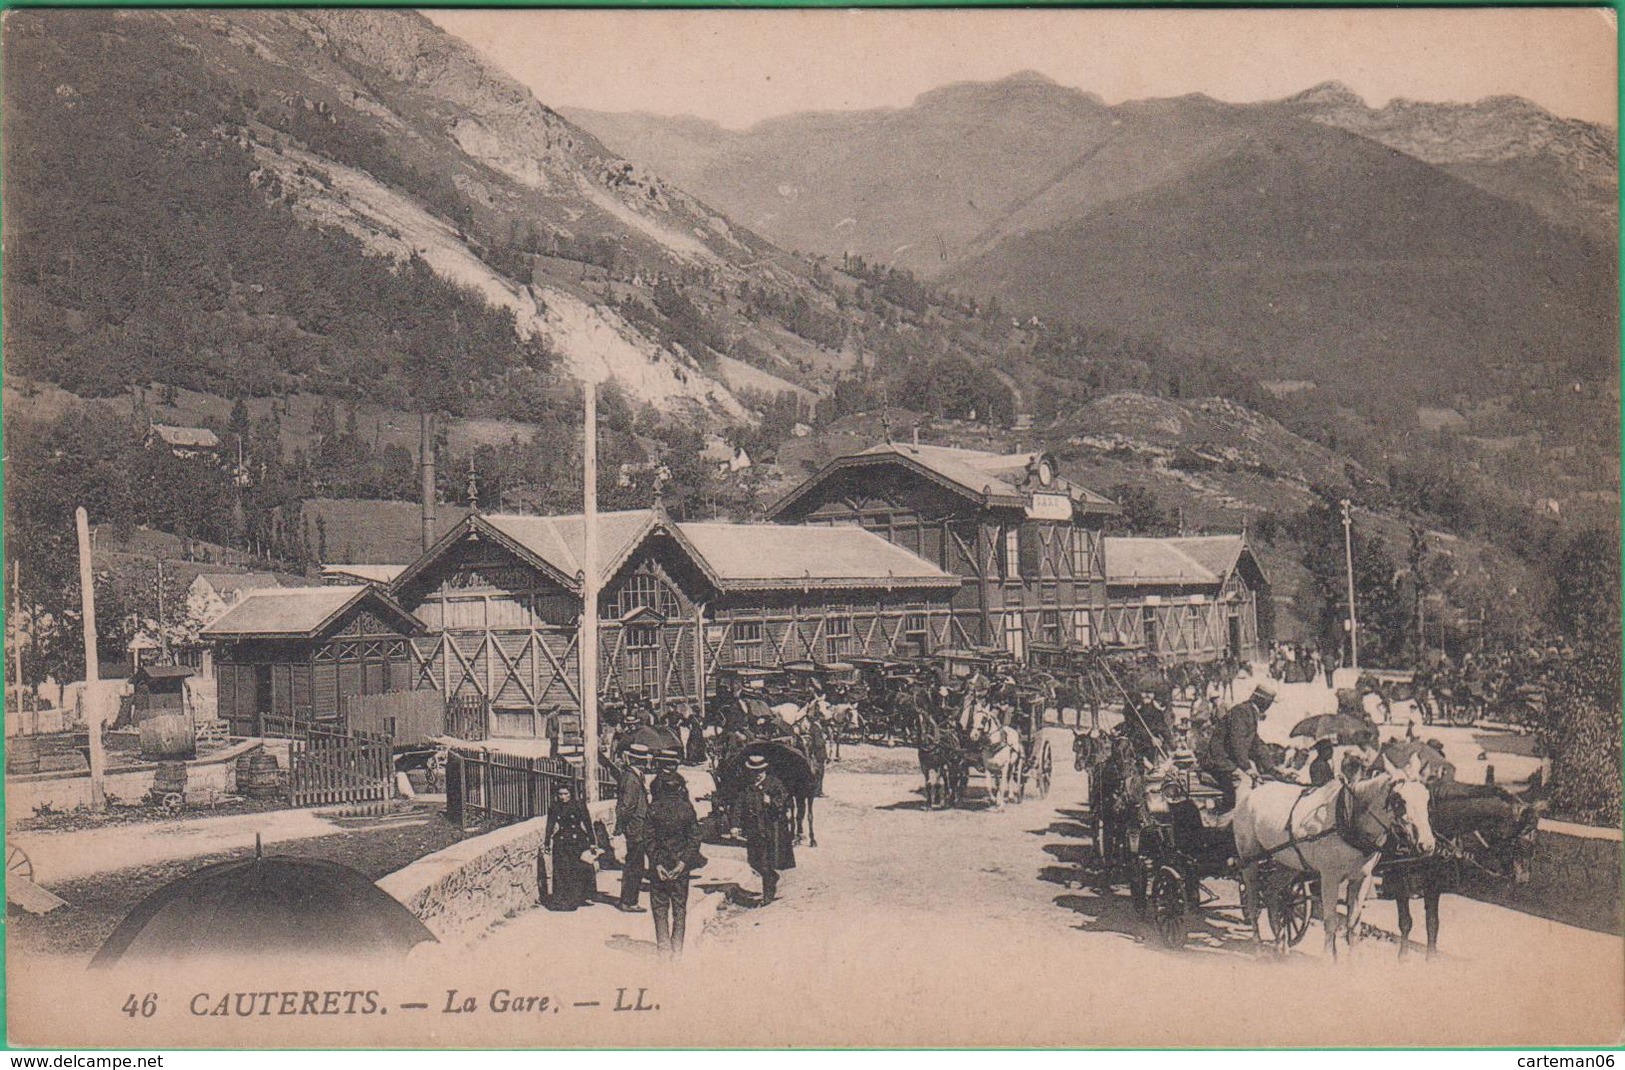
[(771, 528)]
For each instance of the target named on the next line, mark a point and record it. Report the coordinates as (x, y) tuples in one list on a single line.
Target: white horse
[(1001, 750), (1336, 832)]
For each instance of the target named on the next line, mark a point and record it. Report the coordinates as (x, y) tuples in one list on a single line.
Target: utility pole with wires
[(1348, 559), (589, 590), (91, 697)]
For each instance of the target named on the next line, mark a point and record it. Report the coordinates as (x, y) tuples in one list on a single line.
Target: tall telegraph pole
[(1348, 559), (92, 692), (589, 589)]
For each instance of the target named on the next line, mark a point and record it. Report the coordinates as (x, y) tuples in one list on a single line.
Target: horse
[(1000, 747), (1479, 825), (940, 759), (1337, 832)]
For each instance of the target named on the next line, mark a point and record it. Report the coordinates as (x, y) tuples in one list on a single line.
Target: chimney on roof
[(426, 470)]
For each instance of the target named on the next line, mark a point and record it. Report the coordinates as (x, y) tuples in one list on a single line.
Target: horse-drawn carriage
[(995, 728), (1175, 842)]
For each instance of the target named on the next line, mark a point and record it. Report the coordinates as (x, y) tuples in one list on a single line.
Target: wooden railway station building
[(1026, 542), (1195, 598)]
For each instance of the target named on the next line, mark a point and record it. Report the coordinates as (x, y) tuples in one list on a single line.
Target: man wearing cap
[(1233, 749), (632, 822), (763, 809), (674, 851)]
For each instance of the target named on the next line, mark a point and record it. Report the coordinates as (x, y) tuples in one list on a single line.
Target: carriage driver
[(1147, 721), (1233, 747)]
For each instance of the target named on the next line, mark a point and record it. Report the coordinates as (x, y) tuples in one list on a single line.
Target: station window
[(747, 642), (837, 637), (642, 658), (917, 631)]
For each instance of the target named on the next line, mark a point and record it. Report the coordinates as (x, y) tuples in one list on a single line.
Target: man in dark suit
[(1233, 749), (632, 822), (763, 810)]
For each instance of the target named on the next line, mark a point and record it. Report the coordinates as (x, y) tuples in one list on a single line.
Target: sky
[(738, 67)]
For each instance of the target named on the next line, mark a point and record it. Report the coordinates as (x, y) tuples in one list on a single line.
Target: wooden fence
[(467, 717), (327, 767), (491, 788)]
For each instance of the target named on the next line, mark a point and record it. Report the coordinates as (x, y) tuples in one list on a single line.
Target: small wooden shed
[(291, 655), (162, 713), (160, 689)]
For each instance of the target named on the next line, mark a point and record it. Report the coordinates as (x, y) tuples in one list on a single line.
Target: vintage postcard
[(812, 528)]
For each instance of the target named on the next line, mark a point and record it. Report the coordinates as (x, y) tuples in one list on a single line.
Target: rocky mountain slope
[(1566, 169), (386, 162), (1295, 250), (967, 164)]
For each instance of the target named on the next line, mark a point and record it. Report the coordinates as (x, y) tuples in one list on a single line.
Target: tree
[(1383, 615), (1142, 512)]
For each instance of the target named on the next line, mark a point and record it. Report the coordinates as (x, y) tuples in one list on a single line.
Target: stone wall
[(207, 779), (1575, 878), (465, 888)]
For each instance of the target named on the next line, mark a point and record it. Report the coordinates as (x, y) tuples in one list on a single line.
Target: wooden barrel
[(168, 735), (259, 776), (22, 754), (169, 777)]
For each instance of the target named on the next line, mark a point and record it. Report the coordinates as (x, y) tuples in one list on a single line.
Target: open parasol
[(655, 738), (1337, 727)]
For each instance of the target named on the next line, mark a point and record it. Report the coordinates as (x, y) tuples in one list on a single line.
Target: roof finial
[(473, 486)]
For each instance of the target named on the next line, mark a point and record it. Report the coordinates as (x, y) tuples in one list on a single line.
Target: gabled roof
[(552, 544), (302, 612), (782, 556), (232, 584), (187, 437), (1150, 561), (1186, 559), (989, 479), (1216, 553), (732, 556)]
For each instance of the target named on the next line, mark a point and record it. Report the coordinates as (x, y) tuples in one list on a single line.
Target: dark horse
[(1479, 826), (941, 753)]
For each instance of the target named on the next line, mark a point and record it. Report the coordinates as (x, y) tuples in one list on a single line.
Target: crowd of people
[(660, 827)]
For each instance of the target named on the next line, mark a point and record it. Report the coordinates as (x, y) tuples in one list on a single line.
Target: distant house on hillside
[(184, 441), (212, 593)]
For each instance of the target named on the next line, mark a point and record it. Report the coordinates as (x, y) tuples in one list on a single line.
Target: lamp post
[(1348, 560)]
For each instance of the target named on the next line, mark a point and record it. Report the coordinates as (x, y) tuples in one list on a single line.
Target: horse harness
[(1345, 823)]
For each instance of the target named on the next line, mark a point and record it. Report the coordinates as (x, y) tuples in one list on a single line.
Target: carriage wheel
[(1290, 913), (1103, 852), (1168, 908), (18, 864), (1046, 769)]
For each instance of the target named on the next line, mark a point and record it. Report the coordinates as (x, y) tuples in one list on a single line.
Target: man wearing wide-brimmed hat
[(763, 814), (632, 822)]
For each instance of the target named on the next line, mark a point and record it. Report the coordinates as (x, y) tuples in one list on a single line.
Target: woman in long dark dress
[(569, 834)]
